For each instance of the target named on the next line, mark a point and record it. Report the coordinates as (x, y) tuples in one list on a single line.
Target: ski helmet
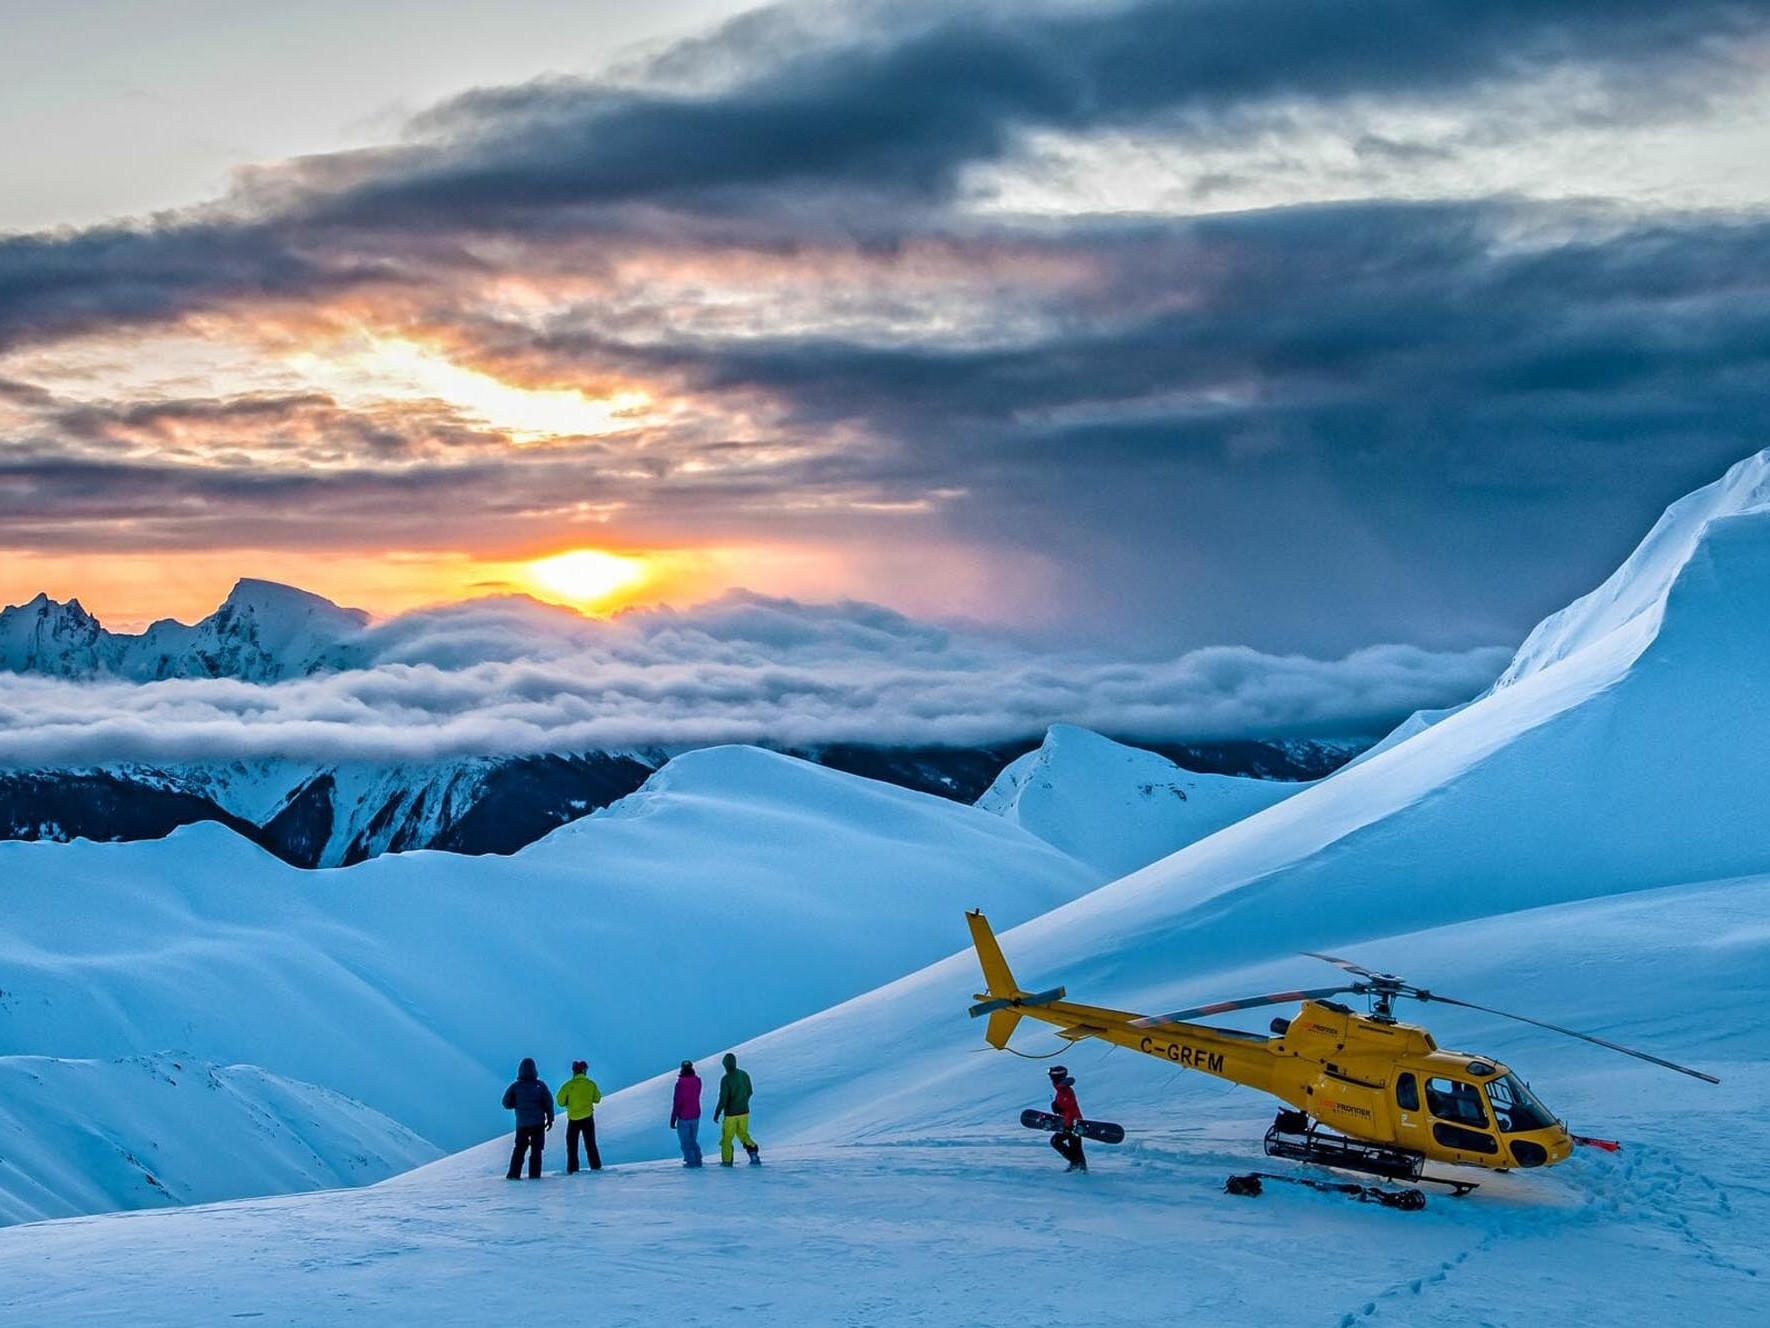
[(1058, 1073)]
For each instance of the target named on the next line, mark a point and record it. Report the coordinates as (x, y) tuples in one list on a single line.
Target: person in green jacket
[(579, 1096), (734, 1105)]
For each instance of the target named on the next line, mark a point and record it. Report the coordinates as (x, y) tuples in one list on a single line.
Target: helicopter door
[(1459, 1120), (1412, 1129)]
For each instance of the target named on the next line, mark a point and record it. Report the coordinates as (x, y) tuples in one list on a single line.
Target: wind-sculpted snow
[(154, 1131), (512, 677), (1639, 587)]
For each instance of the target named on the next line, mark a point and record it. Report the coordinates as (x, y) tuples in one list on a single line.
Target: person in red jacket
[(1068, 1140)]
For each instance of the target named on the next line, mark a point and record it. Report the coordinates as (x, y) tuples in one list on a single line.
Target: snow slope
[(153, 1131), (1118, 808), (908, 1195), (413, 983)]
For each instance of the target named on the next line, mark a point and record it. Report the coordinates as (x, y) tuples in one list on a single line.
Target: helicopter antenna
[(1383, 988)]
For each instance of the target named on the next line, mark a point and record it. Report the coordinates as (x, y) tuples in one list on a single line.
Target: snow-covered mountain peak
[(262, 632), (1115, 807), (1071, 741), (44, 635), (1635, 595), (275, 600)]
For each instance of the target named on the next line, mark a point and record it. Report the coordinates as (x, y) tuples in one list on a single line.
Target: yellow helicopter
[(1367, 1092)]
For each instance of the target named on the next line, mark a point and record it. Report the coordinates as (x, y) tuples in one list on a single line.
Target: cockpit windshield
[(1514, 1109)]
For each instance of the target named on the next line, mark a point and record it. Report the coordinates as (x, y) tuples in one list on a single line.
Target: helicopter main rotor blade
[(1346, 964), (1583, 1037), (1252, 1002)]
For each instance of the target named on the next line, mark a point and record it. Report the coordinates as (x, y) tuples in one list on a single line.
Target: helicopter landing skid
[(1458, 1188), (1294, 1137), (1251, 1184)]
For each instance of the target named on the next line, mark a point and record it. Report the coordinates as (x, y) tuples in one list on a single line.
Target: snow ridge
[(1636, 593)]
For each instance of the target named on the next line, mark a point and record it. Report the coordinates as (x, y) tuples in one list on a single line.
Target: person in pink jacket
[(685, 1114)]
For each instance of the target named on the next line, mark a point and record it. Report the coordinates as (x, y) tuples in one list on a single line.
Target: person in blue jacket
[(532, 1101)]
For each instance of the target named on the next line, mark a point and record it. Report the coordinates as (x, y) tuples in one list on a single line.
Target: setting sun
[(585, 577)]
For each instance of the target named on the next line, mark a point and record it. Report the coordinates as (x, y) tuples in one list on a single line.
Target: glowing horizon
[(127, 592)]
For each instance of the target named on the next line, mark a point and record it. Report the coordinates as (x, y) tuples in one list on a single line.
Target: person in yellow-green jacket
[(734, 1105), (579, 1096)]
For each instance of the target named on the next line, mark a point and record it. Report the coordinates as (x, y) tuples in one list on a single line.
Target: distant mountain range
[(328, 814), (335, 815)]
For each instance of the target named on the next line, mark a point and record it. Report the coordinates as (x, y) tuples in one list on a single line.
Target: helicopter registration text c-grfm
[(1365, 1092)]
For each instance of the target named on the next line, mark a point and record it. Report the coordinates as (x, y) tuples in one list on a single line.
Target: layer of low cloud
[(507, 677)]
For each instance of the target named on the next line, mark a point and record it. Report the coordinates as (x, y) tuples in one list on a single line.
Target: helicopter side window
[(1468, 1141), (1454, 1100), (1407, 1093), (1514, 1108)]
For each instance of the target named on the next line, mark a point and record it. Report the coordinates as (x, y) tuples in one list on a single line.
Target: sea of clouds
[(509, 676)]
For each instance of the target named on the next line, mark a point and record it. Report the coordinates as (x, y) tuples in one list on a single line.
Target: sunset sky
[(1255, 322)]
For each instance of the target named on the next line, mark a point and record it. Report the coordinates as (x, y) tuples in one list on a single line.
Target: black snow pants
[(530, 1139), (587, 1128), (1070, 1145)]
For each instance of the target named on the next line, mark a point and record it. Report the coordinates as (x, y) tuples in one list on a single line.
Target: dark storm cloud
[(1315, 425), (58, 283), (359, 481), (1326, 305), (1389, 406), (903, 108), (897, 109), (307, 426), (1408, 399)]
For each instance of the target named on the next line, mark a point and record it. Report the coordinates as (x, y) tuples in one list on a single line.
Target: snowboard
[(1101, 1132)]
